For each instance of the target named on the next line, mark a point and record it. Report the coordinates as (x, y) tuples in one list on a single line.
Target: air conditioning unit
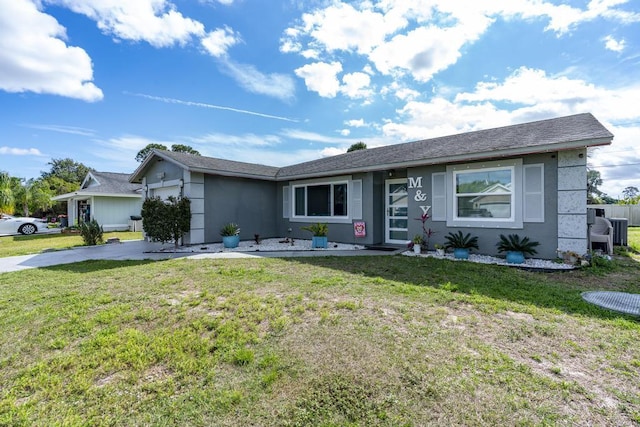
[(619, 231)]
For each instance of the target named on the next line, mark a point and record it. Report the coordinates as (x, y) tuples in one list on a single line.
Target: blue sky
[(284, 82)]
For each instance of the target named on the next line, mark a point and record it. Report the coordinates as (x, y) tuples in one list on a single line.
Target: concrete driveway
[(140, 249)]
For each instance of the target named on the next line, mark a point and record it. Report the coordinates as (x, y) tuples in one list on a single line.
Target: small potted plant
[(516, 248), (319, 231), (461, 244), (439, 249), (230, 233), (417, 243)]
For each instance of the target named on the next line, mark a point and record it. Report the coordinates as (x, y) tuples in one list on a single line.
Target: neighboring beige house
[(107, 197)]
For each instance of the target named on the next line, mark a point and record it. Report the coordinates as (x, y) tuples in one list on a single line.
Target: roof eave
[(232, 174), (68, 196)]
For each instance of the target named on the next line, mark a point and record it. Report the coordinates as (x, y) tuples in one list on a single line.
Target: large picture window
[(321, 200), (484, 193)]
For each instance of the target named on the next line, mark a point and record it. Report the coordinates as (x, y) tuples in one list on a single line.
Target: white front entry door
[(396, 211)]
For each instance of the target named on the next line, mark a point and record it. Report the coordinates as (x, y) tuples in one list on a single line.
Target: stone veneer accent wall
[(194, 190), (572, 201)]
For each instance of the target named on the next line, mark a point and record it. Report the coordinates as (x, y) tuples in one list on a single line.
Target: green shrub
[(319, 229), (166, 221), (91, 232)]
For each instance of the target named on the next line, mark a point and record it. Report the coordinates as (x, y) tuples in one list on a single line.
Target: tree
[(180, 148), (142, 154), (31, 195), (67, 170), (177, 148), (357, 146), (7, 201), (630, 192), (593, 182)]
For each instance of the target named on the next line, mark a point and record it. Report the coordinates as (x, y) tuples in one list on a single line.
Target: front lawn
[(334, 341), (36, 243)]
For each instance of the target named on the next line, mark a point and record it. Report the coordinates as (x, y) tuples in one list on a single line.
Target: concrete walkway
[(140, 249)]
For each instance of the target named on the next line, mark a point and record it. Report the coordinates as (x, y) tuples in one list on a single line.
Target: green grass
[(329, 341), (634, 238), (36, 243)]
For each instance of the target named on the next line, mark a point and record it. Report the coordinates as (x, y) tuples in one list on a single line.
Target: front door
[(396, 211)]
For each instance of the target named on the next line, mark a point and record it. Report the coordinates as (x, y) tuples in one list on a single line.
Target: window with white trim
[(321, 200), (486, 193)]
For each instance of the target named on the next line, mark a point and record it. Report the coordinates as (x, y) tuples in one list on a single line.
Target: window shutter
[(356, 199), (286, 204), (533, 198), (438, 197)]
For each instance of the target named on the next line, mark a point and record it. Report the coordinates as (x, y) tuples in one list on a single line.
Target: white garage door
[(165, 192)]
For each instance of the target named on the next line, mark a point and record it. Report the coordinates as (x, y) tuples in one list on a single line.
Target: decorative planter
[(319, 242), (416, 249), (461, 253), (440, 252), (515, 257), (231, 241)]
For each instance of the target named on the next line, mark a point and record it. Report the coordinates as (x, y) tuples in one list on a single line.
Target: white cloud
[(345, 132), (356, 123), (418, 38), (73, 130), (280, 86), (217, 42), (212, 106), (35, 58), (331, 151), (356, 85), (321, 77), (156, 22), (244, 140), (301, 135), (528, 95), (342, 27), (613, 44), (12, 151)]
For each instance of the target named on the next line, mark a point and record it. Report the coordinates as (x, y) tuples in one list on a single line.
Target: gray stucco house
[(528, 179), (107, 197)]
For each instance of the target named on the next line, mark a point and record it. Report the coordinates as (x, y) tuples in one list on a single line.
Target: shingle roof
[(111, 183), (221, 166), (540, 136), (563, 133)]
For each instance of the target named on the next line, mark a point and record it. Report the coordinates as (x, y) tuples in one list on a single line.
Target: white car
[(23, 225)]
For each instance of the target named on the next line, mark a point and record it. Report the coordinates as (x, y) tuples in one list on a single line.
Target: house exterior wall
[(113, 213), (544, 232), (340, 230), (572, 201), (249, 203)]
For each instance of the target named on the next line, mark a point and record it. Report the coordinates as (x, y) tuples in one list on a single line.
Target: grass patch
[(315, 341), (36, 243)]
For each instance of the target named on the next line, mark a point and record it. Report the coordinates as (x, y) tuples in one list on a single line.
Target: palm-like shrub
[(461, 241), (319, 229), (91, 232), (513, 243), (230, 229)]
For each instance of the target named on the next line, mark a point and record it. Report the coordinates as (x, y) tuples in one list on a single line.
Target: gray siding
[(343, 232), (545, 233), (249, 203), (171, 172)]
